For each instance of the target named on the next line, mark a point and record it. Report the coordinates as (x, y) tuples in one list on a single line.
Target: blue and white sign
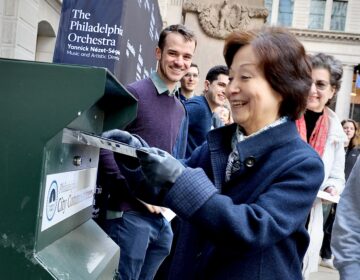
[(120, 35), (66, 194)]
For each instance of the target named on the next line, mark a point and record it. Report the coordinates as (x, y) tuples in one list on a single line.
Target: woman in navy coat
[(245, 194)]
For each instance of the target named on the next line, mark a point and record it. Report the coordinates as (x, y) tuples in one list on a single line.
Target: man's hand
[(153, 208)]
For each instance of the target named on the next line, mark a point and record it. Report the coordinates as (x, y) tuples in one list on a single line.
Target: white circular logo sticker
[(51, 201)]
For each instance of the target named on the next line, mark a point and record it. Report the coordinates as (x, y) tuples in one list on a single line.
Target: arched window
[(45, 43)]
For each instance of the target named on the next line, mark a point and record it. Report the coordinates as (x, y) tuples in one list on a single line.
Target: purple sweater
[(161, 121), (159, 116)]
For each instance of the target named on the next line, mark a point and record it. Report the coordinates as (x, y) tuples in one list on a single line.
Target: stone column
[(274, 12), (327, 17), (343, 99)]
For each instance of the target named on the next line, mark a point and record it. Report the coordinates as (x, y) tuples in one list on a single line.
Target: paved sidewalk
[(325, 274)]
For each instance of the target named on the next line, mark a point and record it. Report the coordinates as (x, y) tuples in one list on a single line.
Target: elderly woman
[(321, 128), (244, 195)]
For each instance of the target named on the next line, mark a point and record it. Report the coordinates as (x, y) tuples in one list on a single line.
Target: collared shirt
[(161, 87)]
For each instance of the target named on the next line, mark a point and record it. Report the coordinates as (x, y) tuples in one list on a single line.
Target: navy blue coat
[(252, 227), (200, 121)]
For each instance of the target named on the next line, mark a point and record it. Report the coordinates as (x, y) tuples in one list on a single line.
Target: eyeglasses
[(321, 85)]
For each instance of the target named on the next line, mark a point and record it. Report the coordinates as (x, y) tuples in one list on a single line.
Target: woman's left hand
[(331, 190)]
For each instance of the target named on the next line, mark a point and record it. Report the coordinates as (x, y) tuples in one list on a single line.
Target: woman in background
[(321, 128), (352, 149), (224, 114)]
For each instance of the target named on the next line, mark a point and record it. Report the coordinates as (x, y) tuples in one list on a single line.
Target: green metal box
[(46, 186)]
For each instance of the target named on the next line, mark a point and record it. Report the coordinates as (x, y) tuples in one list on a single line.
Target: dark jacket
[(252, 227), (200, 122), (350, 159)]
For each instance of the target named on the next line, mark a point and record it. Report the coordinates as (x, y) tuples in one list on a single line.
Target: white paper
[(329, 197), (168, 214)]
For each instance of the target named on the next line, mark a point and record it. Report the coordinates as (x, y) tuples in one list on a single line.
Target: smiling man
[(201, 108), (143, 234)]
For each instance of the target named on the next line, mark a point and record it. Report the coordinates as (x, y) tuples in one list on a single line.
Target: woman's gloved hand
[(125, 137), (129, 139), (159, 167)]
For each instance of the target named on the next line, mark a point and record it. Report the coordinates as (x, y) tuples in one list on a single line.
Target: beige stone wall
[(19, 28), (26, 30), (8, 19), (353, 17), (208, 51)]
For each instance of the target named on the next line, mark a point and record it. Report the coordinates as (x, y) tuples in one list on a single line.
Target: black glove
[(125, 137), (129, 139), (159, 167)]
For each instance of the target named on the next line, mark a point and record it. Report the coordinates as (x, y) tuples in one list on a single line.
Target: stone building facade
[(28, 31), (330, 26), (28, 28)]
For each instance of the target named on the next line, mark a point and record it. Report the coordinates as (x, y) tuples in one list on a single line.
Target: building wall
[(8, 22), (344, 46), (19, 28)]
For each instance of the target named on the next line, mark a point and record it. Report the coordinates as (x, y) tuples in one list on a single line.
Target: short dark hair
[(176, 28), (215, 71), (284, 62), (195, 65)]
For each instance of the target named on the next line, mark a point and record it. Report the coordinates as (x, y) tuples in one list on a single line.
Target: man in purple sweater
[(143, 234)]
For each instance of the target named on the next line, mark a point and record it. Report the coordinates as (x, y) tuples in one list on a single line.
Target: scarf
[(319, 135)]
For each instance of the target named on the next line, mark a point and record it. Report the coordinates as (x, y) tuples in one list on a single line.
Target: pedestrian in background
[(189, 82), (321, 128), (201, 108), (352, 148), (352, 152), (345, 242), (224, 114)]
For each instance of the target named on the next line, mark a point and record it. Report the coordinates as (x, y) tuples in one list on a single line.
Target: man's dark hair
[(176, 28), (215, 71), (196, 66)]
